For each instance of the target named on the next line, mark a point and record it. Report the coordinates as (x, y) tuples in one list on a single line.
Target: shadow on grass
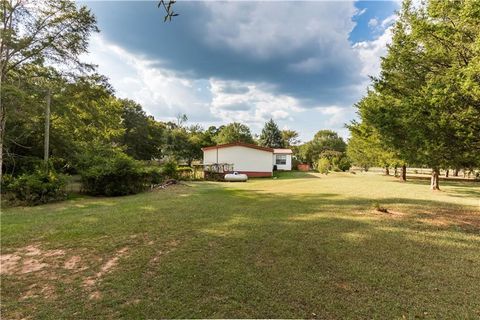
[(251, 254), (467, 189)]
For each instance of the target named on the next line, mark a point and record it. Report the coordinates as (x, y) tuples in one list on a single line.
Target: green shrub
[(323, 165), (115, 175), (170, 169), (35, 188), (153, 175), (344, 164)]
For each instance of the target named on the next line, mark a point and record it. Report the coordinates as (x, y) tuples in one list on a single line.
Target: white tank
[(236, 177)]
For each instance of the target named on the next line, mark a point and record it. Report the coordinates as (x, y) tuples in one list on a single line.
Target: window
[(281, 159)]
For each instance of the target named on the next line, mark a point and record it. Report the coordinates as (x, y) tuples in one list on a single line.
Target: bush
[(116, 175), (344, 164), (170, 169), (35, 188), (153, 175), (323, 165)]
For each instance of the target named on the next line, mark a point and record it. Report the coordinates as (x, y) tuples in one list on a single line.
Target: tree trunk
[(46, 150), (396, 172), (455, 173), (403, 177), (434, 185), (446, 173), (387, 171), (3, 118)]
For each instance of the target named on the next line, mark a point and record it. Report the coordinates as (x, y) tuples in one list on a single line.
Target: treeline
[(424, 107)]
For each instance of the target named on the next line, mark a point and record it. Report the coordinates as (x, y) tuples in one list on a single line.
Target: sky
[(302, 63)]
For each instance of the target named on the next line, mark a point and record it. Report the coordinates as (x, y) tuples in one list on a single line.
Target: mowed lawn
[(300, 246)]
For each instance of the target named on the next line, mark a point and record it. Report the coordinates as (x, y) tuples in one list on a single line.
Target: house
[(282, 158), (253, 160)]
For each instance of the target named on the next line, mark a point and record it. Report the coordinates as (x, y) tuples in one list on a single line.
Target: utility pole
[(47, 129)]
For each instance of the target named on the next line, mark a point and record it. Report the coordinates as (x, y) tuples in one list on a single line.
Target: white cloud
[(360, 12), (370, 52), (161, 92), (372, 23), (254, 106)]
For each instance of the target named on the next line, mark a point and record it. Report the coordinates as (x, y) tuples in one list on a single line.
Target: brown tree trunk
[(403, 176), (3, 120), (395, 173), (455, 173), (434, 185), (446, 173)]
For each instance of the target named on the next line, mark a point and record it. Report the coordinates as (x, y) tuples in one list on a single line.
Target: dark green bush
[(153, 175), (344, 164), (115, 175), (35, 188), (170, 169)]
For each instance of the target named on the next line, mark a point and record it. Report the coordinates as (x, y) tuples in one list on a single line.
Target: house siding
[(253, 162)]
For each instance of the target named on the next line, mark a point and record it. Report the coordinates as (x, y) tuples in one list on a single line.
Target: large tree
[(55, 31), (426, 101), (365, 149), (234, 132), (144, 137), (271, 136), (324, 140)]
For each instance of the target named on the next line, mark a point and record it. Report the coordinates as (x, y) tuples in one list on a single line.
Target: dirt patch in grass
[(72, 263), (28, 259), (106, 268)]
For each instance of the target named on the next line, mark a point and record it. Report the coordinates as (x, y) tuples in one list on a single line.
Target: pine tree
[(271, 136)]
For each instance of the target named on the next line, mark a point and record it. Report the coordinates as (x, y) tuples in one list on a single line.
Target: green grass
[(299, 246)]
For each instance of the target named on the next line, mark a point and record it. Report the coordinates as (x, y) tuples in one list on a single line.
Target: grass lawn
[(302, 246)]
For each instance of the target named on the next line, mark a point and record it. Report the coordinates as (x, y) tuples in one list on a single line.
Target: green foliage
[(271, 136), (170, 169), (424, 104), (290, 138), (185, 173), (323, 165), (365, 148), (324, 140), (344, 164), (153, 175), (143, 137), (35, 188), (234, 132), (116, 175)]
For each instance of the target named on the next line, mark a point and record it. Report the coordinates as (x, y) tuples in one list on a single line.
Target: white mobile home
[(253, 160)]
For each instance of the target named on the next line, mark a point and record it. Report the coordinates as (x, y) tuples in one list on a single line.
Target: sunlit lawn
[(302, 246)]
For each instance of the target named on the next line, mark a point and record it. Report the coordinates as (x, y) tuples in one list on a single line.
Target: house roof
[(283, 151), (238, 144)]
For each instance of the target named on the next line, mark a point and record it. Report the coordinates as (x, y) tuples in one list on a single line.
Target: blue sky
[(304, 64)]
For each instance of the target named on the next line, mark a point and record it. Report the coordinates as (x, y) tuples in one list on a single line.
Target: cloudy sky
[(304, 64)]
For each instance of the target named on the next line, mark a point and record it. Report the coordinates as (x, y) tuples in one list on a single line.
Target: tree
[(322, 141), (425, 103), (365, 149), (271, 136), (144, 137), (55, 32), (290, 138), (234, 132)]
